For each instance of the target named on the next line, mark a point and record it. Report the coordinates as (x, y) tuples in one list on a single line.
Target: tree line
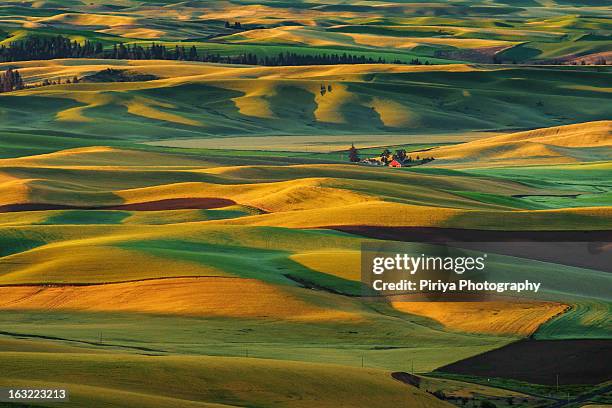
[(44, 48)]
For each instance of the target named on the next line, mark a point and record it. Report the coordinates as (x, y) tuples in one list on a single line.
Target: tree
[(385, 156), (487, 404), (193, 53), (353, 154), (10, 80), (400, 155), (227, 24)]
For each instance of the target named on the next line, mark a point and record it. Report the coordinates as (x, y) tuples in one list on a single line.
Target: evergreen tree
[(10, 81), (400, 155), (353, 154), (193, 54), (385, 156)]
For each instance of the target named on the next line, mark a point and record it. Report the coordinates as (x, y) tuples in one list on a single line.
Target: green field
[(137, 381)]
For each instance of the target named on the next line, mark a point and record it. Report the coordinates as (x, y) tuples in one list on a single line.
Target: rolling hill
[(584, 142), (259, 101), (211, 382), (438, 31)]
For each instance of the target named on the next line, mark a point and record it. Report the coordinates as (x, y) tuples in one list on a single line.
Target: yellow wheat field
[(205, 296), (492, 317)]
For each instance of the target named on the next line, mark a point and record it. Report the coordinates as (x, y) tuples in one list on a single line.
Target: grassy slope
[(582, 142), (406, 339), (585, 319), (137, 381)]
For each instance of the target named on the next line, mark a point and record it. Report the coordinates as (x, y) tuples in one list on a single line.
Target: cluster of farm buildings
[(395, 160)]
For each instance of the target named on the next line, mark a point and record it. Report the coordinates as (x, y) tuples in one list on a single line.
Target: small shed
[(395, 163)]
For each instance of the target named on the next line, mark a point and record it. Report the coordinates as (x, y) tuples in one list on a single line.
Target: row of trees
[(181, 53), (387, 157), (402, 156), (44, 48), (236, 26), (58, 81), (10, 80)]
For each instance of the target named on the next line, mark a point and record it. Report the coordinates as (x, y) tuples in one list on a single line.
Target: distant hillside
[(200, 100), (482, 31), (581, 142)]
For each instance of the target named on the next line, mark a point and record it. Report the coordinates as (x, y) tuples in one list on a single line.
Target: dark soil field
[(426, 234), (540, 361), (583, 249)]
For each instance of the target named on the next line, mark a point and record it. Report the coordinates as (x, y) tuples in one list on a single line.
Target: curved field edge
[(587, 319)]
